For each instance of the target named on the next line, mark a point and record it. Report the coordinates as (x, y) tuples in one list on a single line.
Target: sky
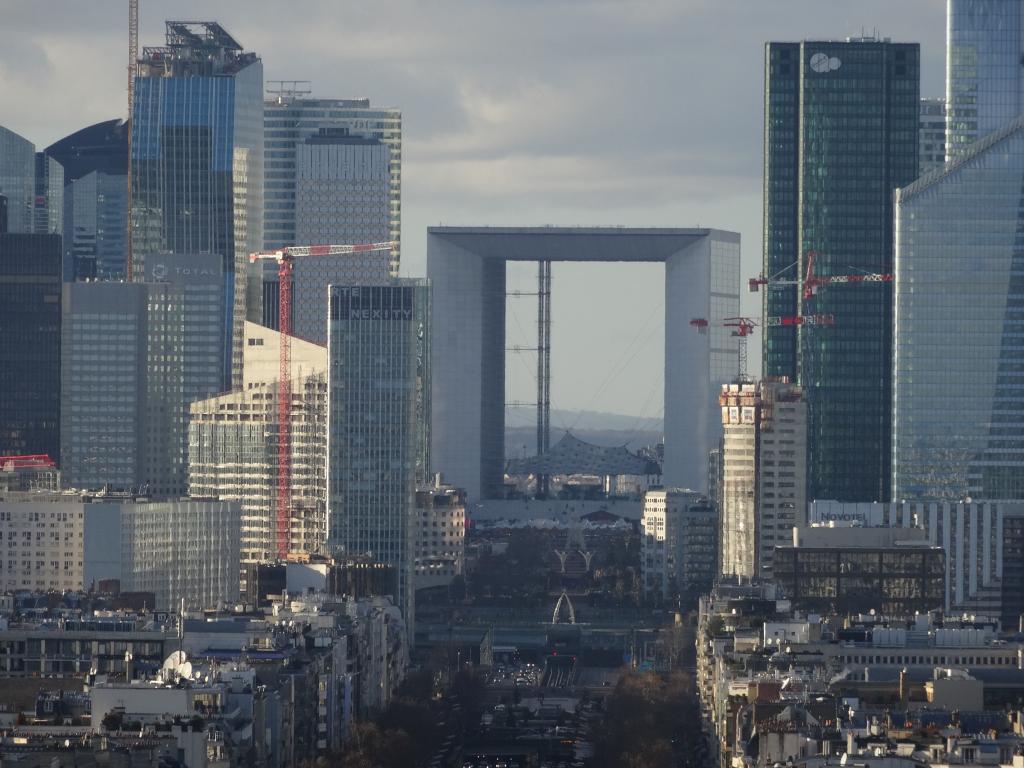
[(515, 113)]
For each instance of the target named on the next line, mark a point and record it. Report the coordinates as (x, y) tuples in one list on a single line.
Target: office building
[(894, 571), (467, 271), (28, 473), (931, 135), (984, 82), (841, 134), (48, 202), (976, 536), (178, 549), (678, 545), (233, 446), (17, 180), (134, 356), (291, 117), (378, 423), (197, 163), (764, 473), (30, 329), (95, 163), (440, 530), (958, 401)]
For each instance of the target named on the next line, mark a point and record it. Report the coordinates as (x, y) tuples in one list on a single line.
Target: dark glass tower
[(30, 267), (197, 161), (840, 136)]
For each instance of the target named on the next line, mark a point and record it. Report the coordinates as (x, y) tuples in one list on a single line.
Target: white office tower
[(677, 547), (764, 473), (984, 77)]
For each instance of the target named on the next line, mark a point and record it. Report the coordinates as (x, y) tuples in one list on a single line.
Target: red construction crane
[(285, 258), (812, 281), (742, 327)]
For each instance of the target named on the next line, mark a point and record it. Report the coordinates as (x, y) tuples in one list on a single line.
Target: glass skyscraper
[(841, 133), (984, 77), (959, 327), (17, 179), (30, 323), (378, 422), (95, 162), (197, 161)]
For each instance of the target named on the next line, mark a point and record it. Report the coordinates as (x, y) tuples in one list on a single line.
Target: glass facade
[(17, 179), (841, 133), (95, 162), (197, 162), (984, 81), (30, 323), (958, 409), (290, 119), (378, 422)]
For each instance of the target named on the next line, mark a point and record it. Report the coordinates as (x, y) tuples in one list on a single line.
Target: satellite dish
[(185, 669), (174, 661)]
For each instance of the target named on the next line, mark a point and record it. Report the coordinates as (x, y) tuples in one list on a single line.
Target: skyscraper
[(291, 117), (197, 162), (958, 401), (95, 162), (764, 474), (841, 133), (931, 135), (17, 179), (378, 418), (134, 357), (984, 78), (48, 203), (30, 326)]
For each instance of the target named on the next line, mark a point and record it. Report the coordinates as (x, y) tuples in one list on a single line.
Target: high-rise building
[(134, 356), (931, 131), (233, 446), (291, 117), (958, 400), (17, 179), (197, 162), (764, 476), (48, 203), (678, 545), (841, 134), (378, 423), (30, 328), (95, 163), (984, 81)]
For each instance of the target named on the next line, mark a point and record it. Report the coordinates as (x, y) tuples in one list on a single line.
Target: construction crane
[(742, 328), (812, 281), (133, 63), (285, 258)]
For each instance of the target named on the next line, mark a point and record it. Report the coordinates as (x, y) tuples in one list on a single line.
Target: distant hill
[(596, 427)]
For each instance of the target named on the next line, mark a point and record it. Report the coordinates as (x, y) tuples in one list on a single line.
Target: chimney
[(851, 743)]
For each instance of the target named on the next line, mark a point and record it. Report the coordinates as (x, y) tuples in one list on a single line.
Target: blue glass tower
[(197, 161)]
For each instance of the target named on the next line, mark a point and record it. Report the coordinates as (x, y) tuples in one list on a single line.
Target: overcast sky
[(515, 112)]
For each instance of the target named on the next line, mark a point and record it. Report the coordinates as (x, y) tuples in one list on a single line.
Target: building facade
[(48, 202), (134, 356), (30, 344), (895, 572), (233, 446), (17, 180), (95, 163), (841, 134), (378, 423), (440, 530), (180, 549), (931, 135), (764, 473), (984, 82), (678, 545), (958, 402), (975, 535), (290, 118), (197, 163)]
